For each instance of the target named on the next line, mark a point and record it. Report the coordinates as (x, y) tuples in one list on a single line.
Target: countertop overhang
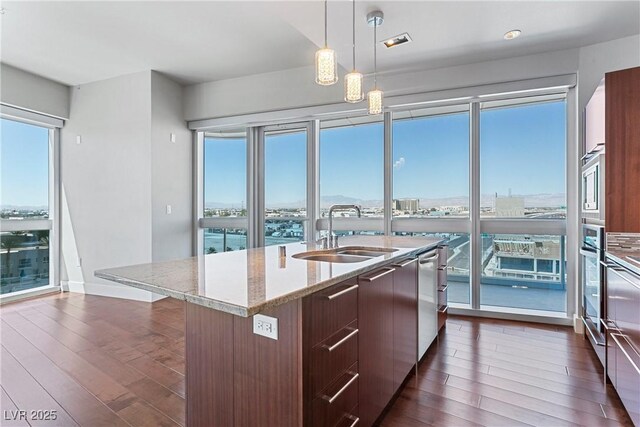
[(247, 282)]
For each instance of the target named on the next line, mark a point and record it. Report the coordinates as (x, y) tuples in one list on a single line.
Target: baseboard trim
[(113, 291)]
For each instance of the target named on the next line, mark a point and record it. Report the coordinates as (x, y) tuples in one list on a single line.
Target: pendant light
[(326, 63), (375, 95), (353, 87)]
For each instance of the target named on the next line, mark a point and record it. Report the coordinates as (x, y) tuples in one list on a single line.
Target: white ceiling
[(79, 42)]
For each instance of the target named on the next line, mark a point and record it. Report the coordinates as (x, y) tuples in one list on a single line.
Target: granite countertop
[(249, 281), (621, 247)]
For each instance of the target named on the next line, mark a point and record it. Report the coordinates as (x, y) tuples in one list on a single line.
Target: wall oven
[(593, 188), (593, 289)]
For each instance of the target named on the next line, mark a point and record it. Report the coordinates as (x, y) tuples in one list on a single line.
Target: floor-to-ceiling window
[(27, 193), (352, 172), (285, 185), (431, 184), (487, 173), (225, 191), (523, 179)]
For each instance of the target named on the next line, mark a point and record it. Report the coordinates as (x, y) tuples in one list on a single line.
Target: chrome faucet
[(334, 243)]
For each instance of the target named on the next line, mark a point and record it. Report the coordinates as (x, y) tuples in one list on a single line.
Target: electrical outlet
[(265, 326), (168, 209), (172, 137)]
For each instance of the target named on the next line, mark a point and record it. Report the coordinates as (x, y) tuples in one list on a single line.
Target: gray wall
[(117, 182), (296, 88), (597, 59), (171, 178), (28, 91)]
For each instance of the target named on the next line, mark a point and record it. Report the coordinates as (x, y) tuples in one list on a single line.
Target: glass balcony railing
[(24, 260)]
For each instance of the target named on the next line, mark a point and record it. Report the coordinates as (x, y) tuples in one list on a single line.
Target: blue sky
[(522, 149), (24, 164)]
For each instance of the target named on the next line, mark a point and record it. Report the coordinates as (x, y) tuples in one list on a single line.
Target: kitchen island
[(277, 340)]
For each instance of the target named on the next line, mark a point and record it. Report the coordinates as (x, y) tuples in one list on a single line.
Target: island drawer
[(337, 400), (349, 419), (333, 357), (330, 310)]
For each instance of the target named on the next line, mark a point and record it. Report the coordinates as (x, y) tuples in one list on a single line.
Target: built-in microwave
[(593, 188)]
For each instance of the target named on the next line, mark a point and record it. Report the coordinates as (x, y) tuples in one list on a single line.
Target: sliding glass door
[(26, 207)]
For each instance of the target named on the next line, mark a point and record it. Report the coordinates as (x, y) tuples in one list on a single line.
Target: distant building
[(512, 207), (533, 258), (406, 205)]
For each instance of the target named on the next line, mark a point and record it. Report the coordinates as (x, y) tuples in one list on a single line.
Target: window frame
[(53, 222), (473, 97)]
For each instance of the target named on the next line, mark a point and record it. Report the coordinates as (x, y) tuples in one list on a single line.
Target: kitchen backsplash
[(623, 241)]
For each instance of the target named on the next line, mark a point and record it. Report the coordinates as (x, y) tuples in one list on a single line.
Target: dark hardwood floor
[(109, 362)]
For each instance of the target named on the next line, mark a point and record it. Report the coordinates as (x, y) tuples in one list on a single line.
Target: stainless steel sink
[(346, 254), (339, 258), (370, 252)]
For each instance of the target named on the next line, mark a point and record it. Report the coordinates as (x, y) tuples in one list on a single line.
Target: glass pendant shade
[(326, 67), (353, 87), (375, 101)]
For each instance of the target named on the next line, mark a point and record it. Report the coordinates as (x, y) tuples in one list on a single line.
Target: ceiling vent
[(397, 40)]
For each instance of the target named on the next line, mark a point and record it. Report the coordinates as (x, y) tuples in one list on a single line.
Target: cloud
[(398, 163)]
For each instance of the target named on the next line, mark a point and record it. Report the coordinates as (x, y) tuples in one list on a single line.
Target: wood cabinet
[(405, 319), (330, 354), (622, 135), (375, 312), (341, 355)]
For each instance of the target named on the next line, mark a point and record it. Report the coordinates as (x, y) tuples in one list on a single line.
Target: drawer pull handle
[(624, 351), (404, 264), (355, 420), (342, 292), (377, 276), (443, 289), (428, 260), (331, 399), (342, 341)]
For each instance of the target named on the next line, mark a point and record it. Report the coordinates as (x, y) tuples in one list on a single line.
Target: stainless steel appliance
[(427, 300), (593, 290), (593, 206), (623, 337)]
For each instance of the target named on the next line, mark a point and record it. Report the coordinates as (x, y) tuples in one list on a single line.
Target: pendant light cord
[(354, 34), (325, 23), (375, 56)]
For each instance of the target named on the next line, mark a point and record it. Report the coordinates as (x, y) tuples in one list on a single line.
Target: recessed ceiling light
[(2, 10), (397, 40), (510, 35)]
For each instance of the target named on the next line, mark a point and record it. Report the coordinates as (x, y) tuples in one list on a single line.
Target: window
[(522, 159), (224, 240), (431, 163), (352, 166), (24, 175), (24, 196), (517, 272), (224, 191), (225, 174), (285, 182)]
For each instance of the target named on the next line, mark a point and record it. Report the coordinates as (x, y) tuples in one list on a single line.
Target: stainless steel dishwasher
[(427, 300)]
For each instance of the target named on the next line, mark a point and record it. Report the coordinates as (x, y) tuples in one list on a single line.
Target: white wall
[(106, 182), (171, 178), (28, 91), (117, 182), (296, 88)]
